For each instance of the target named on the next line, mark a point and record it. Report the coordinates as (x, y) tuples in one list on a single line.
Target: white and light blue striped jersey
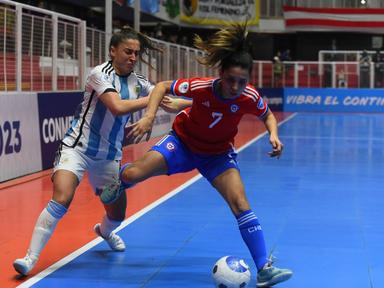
[(95, 131)]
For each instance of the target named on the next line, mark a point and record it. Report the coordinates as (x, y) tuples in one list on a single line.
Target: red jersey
[(210, 124)]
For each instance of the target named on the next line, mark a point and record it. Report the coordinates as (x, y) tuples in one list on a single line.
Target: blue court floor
[(321, 207)]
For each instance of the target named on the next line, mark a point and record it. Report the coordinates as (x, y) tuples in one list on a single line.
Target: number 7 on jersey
[(217, 116)]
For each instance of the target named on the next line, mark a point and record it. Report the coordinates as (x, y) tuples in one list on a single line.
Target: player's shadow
[(19, 278)]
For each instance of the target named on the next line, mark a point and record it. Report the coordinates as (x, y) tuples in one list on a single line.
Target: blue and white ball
[(231, 272)]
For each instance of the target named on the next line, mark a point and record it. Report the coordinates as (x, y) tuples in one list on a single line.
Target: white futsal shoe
[(114, 241), (270, 275), (24, 265)]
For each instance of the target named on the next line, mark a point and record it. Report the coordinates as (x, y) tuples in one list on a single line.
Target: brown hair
[(226, 48), (127, 32)]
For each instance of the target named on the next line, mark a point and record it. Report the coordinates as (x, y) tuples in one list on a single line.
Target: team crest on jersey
[(105, 77), (170, 146), (183, 87), (137, 89), (234, 108), (261, 104)]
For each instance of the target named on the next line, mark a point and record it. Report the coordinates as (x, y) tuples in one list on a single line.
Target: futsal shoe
[(271, 275), (110, 193), (114, 241), (24, 265)]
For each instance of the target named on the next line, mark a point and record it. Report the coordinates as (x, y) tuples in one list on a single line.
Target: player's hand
[(139, 129), (277, 146), (170, 104)]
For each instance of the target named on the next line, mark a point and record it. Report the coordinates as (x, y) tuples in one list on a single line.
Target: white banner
[(20, 152), (220, 12), (334, 19)]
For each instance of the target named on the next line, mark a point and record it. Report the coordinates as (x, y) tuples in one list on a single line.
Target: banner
[(333, 100), (273, 97), (54, 122), (19, 135), (56, 111), (220, 12), (334, 19), (147, 6)]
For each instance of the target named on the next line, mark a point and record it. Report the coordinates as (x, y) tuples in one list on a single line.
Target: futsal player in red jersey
[(202, 136)]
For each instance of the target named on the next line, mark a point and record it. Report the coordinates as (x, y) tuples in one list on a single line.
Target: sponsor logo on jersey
[(206, 103), (234, 108), (261, 103), (183, 87), (170, 146)]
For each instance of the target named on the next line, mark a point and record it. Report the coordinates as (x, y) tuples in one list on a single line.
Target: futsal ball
[(231, 272)]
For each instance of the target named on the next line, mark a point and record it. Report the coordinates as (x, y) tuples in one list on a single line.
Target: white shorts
[(100, 172)]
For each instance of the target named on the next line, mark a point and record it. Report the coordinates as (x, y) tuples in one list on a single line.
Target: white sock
[(108, 225), (45, 225)]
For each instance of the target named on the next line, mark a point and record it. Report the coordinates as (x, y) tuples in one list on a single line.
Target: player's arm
[(155, 98), (118, 106), (144, 125), (271, 125), (103, 86), (174, 105)]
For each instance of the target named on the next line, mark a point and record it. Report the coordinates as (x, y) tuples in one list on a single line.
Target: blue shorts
[(180, 158)]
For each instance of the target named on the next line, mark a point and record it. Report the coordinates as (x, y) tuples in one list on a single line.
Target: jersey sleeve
[(259, 107), (181, 88), (145, 86), (100, 82)]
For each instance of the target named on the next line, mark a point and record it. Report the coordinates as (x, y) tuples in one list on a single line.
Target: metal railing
[(174, 62), (45, 51), (317, 74), (40, 50)]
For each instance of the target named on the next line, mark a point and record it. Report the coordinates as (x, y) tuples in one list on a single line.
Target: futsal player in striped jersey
[(93, 143), (202, 136)]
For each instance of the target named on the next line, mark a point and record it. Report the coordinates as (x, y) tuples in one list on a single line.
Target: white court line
[(362, 138), (126, 222), (98, 240)]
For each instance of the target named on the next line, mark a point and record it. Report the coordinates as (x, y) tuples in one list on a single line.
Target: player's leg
[(152, 163), (223, 173), (101, 173), (112, 192), (65, 182), (230, 186), (115, 214), (168, 156)]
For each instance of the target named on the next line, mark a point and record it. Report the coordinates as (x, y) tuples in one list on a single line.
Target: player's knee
[(130, 175), (239, 205), (63, 194), (63, 199)]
